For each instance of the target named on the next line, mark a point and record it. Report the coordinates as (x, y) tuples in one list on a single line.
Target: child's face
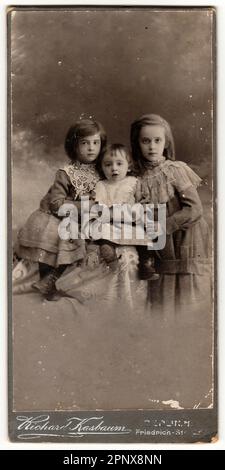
[(115, 167), (88, 148), (152, 142)]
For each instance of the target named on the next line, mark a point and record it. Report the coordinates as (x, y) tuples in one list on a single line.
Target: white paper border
[(220, 5)]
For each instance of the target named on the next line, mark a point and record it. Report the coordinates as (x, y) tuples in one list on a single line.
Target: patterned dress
[(184, 263), (38, 239)]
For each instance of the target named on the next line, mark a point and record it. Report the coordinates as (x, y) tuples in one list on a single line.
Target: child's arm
[(185, 182), (60, 192), (190, 212)]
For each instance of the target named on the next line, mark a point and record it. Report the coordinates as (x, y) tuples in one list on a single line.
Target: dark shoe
[(46, 286), (147, 271), (108, 252), (44, 270), (53, 296), (16, 259)]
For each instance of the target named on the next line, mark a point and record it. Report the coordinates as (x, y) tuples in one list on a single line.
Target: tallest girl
[(184, 263)]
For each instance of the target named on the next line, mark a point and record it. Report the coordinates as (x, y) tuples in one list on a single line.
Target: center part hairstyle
[(150, 120), (83, 128)]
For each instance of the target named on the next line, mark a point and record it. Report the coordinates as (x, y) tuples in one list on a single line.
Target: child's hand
[(92, 195), (92, 203), (144, 200), (87, 194)]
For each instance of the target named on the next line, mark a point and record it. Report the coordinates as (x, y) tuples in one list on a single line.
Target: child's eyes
[(110, 164), (95, 142), (147, 141)]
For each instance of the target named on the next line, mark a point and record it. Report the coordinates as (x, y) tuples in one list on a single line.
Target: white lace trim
[(83, 177)]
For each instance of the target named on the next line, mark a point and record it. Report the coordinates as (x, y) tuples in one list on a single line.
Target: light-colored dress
[(96, 285), (92, 284), (116, 192), (131, 231)]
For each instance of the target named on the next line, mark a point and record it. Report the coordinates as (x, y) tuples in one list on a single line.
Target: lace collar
[(83, 177)]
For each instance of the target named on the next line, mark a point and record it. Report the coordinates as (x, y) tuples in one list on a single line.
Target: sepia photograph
[(111, 239)]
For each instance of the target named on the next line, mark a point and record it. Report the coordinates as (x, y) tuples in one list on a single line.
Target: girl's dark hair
[(150, 120), (112, 149), (81, 129)]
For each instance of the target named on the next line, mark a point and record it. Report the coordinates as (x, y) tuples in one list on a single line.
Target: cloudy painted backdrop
[(114, 65)]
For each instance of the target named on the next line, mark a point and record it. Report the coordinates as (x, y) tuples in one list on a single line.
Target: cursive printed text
[(37, 426)]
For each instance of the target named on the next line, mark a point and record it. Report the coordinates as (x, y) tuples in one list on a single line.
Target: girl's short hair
[(81, 129), (150, 120), (112, 149)]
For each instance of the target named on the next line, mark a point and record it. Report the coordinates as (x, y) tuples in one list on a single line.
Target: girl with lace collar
[(38, 240), (185, 258)]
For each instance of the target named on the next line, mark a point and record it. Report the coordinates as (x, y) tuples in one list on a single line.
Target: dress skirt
[(39, 241)]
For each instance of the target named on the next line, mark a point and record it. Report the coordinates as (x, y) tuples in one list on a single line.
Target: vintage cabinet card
[(111, 338)]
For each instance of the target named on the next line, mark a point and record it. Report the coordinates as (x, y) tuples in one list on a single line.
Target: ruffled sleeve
[(183, 176), (158, 186), (161, 184)]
